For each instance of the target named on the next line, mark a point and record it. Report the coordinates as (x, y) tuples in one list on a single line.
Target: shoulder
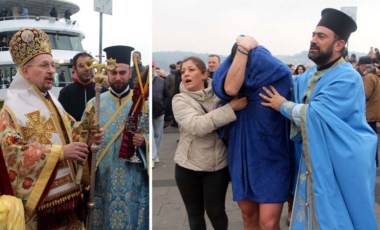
[(182, 97), (69, 87)]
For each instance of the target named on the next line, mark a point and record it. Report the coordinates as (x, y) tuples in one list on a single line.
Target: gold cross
[(38, 128), (88, 126), (99, 76)]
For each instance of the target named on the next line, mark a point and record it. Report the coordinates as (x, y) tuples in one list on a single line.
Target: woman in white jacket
[(201, 169)]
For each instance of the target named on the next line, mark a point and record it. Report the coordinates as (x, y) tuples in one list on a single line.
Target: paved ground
[(168, 211)]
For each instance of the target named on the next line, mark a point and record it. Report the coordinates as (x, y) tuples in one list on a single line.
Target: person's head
[(136, 54), (213, 62), (172, 67), (79, 67), (299, 70), (119, 77), (364, 64), (31, 50), (292, 68), (330, 36), (178, 65), (353, 58), (193, 74)]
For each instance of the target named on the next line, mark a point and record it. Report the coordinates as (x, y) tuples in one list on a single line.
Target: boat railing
[(37, 18)]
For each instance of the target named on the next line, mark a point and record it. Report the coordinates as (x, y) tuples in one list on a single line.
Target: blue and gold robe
[(122, 188)]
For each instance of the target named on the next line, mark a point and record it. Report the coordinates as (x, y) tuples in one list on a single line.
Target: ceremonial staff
[(137, 120), (91, 123)]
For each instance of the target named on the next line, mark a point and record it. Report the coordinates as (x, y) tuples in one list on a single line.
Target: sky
[(130, 24), (284, 27)]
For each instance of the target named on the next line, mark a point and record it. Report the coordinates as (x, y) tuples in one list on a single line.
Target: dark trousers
[(373, 126), (202, 191)]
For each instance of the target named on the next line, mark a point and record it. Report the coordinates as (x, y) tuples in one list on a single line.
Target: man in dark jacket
[(160, 97), (75, 96), (133, 81)]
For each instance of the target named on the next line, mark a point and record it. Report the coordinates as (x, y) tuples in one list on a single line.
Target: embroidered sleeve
[(291, 111), (24, 159)]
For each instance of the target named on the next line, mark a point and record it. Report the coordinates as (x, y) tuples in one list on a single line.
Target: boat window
[(63, 42), (76, 43)]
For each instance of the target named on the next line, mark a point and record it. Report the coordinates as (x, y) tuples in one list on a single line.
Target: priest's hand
[(273, 98), (76, 151), (138, 139)]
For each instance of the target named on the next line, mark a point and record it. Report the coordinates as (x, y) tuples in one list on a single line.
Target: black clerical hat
[(339, 22), (122, 54)]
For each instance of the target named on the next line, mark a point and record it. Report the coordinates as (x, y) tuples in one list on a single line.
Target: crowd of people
[(306, 135)]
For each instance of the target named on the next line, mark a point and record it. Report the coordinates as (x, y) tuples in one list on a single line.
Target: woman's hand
[(238, 103)]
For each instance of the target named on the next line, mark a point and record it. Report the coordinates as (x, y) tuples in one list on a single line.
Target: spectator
[(61, 79), (67, 15), (213, 63), (371, 80), (300, 69), (25, 12), (75, 96), (133, 82), (201, 171), (160, 97), (3, 13), (4, 44), (53, 13)]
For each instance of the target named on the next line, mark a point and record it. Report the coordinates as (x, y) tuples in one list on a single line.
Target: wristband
[(242, 52)]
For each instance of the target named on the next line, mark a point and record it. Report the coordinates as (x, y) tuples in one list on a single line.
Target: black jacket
[(160, 96)]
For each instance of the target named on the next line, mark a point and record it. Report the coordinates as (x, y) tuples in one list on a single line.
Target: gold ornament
[(28, 43)]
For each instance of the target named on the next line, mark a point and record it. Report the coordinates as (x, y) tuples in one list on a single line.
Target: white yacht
[(64, 33)]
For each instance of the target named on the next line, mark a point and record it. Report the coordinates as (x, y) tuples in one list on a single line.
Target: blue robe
[(122, 188), (335, 188), (258, 144)]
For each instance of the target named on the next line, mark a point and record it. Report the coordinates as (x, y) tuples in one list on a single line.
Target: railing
[(37, 18), (4, 48)]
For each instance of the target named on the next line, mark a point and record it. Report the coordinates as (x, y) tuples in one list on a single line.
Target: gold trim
[(13, 118), (42, 180), (60, 200), (117, 134), (118, 109), (117, 112), (303, 113)]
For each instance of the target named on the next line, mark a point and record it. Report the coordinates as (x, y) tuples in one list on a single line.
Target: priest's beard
[(320, 57), (118, 87)]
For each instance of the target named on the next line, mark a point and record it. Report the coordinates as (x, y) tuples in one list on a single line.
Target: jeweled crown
[(28, 43)]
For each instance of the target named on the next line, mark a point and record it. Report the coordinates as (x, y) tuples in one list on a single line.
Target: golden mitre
[(28, 43)]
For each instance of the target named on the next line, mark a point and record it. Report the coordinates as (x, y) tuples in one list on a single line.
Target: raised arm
[(236, 73)]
